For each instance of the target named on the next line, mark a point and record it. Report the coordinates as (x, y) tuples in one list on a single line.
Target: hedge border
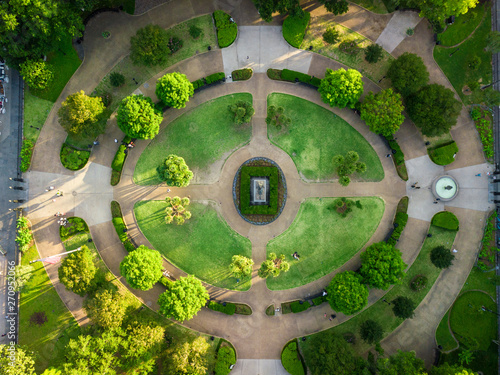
[(120, 226)]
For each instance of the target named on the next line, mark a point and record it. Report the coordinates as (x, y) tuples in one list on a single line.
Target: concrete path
[(395, 31), (259, 367)]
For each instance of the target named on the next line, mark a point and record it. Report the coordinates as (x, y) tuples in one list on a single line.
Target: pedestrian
[(50, 188), (417, 187), (388, 155), (96, 143), (325, 315), (330, 319), (168, 190), (413, 186), (478, 175), (438, 199), (4, 335), (116, 140), (248, 57), (435, 202), (455, 250)]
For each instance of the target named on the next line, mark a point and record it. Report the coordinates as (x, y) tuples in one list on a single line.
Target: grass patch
[(443, 155), (376, 6), (40, 296), (201, 136), (464, 25), (443, 334), (36, 111), (187, 246), (457, 67), (314, 38), (380, 311), (311, 236), (294, 28), (446, 220), (315, 136), (120, 226), (299, 306), (227, 30), (291, 359)]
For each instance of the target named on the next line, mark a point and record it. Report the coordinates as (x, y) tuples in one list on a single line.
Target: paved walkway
[(257, 336), (395, 31)]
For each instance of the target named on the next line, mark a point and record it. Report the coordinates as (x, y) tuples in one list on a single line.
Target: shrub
[(274, 74), (399, 224), (24, 235), (175, 44), (403, 307), (120, 227), (225, 358), (164, 281), (291, 360), (229, 308), (75, 225), (227, 30), (399, 157), (319, 300), (373, 53), (349, 47), (331, 35), (214, 78), (198, 83), (442, 257), (119, 161), (26, 153), (116, 79), (446, 220), (242, 74), (293, 76), (371, 331), (243, 112), (175, 172), (445, 154), (418, 283), (294, 28), (270, 310), (195, 31), (149, 46), (475, 114), (299, 306), (73, 159), (485, 131), (245, 174), (36, 74)]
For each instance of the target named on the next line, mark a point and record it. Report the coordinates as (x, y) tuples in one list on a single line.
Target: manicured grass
[(201, 136), (36, 111), (294, 28), (380, 311), (314, 38), (376, 6), (315, 136), (457, 68), (40, 296), (187, 245), (323, 239), (291, 359), (443, 155), (443, 335), (464, 25)]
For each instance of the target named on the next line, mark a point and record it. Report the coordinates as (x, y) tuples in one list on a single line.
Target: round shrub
[(418, 283), (371, 331), (175, 172), (403, 307), (116, 79), (442, 257), (446, 220), (331, 35), (373, 53), (195, 31), (175, 44)]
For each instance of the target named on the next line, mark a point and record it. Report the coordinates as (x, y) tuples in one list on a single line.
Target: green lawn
[(323, 239), (380, 311), (201, 136), (443, 334), (315, 136), (464, 25), (40, 296), (314, 38), (457, 67), (36, 111), (187, 246)]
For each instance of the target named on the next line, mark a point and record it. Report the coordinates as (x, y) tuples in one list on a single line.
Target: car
[(2, 105), (2, 72), (2, 90)]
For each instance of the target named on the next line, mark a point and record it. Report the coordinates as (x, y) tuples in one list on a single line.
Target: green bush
[(120, 227), (274, 74), (226, 30), (75, 225), (291, 360), (297, 306), (229, 309), (118, 161), (198, 83), (446, 220), (292, 76), (195, 31), (331, 35), (485, 130), (444, 155), (294, 28), (175, 44), (399, 157), (72, 158), (116, 79), (242, 74), (225, 358), (319, 300), (164, 281), (26, 153), (24, 235), (245, 174), (213, 78), (400, 219), (418, 283)]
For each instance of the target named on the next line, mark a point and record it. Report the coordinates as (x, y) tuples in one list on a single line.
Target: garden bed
[(120, 226), (294, 28), (484, 125), (72, 158), (444, 154), (292, 360), (227, 30), (486, 256), (242, 74)]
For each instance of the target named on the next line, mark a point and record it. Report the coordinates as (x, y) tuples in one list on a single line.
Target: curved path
[(88, 193)]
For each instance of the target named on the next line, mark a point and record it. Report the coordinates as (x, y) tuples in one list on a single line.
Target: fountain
[(445, 188)]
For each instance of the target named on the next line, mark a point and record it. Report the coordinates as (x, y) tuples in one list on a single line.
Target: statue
[(448, 187)]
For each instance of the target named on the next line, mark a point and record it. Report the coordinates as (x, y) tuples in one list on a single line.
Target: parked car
[(2, 90), (2, 104), (2, 72)]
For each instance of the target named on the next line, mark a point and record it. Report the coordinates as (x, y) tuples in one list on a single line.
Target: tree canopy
[(447, 369), (106, 309), (383, 112), (79, 112), (23, 358), (438, 10), (401, 363), (266, 8), (347, 165), (183, 298), (241, 266), (434, 110), (341, 88), (346, 294), (403, 307), (335, 6), (382, 265), (36, 74), (273, 266), (190, 358), (177, 210), (149, 46), (408, 73), (276, 117), (142, 268), (442, 257), (371, 331), (77, 271), (243, 112), (174, 89), (175, 171), (138, 118)]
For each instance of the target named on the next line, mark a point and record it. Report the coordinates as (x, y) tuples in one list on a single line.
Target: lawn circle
[(260, 219)]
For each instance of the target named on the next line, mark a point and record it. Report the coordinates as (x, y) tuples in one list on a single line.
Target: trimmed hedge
[(294, 29), (245, 174), (73, 159), (226, 357), (118, 161), (229, 309), (294, 76), (446, 220), (208, 80), (227, 30), (319, 300), (443, 155), (398, 159), (120, 227), (299, 306), (400, 221), (165, 281), (291, 359), (242, 74)]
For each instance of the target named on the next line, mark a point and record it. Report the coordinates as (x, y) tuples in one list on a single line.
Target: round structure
[(445, 188)]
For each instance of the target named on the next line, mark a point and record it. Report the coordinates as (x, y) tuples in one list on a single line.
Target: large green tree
[(36, 74), (138, 118), (273, 266), (183, 298), (347, 165), (241, 266), (335, 6), (266, 8), (447, 369), (401, 363), (174, 89), (382, 265), (177, 210), (403, 307), (408, 73), (22, 358), (149, 46), (175, 172), (371, 331), (346, 293), (383, 112), (143, 343), (142, 268), (106, 309), (191, 358), (434, 109), (77, 271), (79, 112), (341, 88), (438, 10), (442, 257)]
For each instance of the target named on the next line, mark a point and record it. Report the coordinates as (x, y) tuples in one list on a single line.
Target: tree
[(331, 35), (138, 118), (335, 6), (373, 53), (401, 363), (466, 356), (175, 171), (408, 73), (447, 369), (403, 307), (442, 257), (79, 112), (273, 266), (348, 165), (191, 358), (243, 112), (30, 29), (174, 89), (183, 298), (106, 309), (371, 331), (438, 10), (36, 74), (346, 294), (493, 41), (276, 117), (116, 79), (149, 46), (77, 271), (434, 110), (241, 266), (382, 265), (142, 268), (266, 8), (52, 371), (20, 361), (382, 112), (341, 88), (143, 343), (22, 274), (177, 210)]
